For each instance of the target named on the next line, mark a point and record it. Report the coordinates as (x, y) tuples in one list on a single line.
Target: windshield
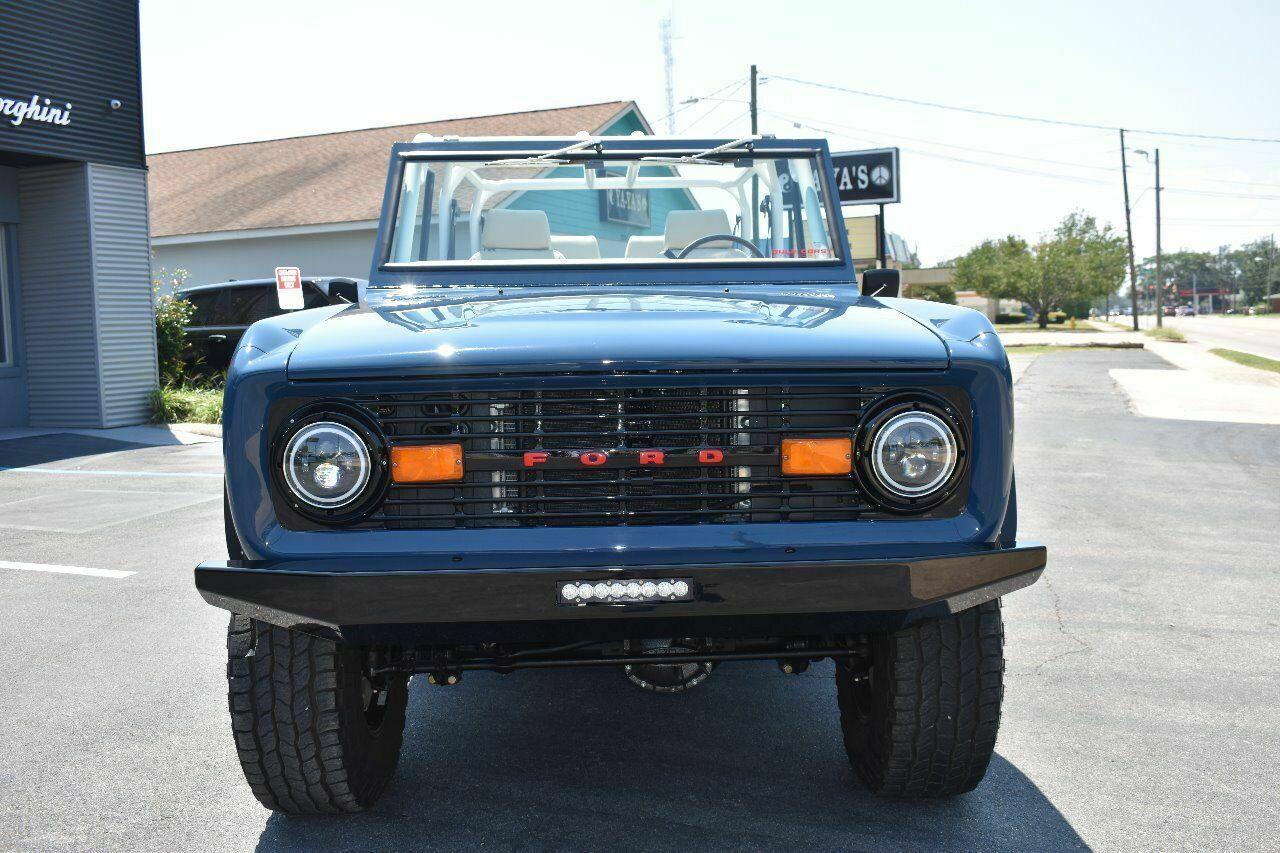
[(590, 206)]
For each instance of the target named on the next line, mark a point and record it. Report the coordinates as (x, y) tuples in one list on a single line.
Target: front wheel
[(315, 731), (922, 720)]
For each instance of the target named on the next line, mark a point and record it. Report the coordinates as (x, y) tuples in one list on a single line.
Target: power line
[(1017, 170), (884, 134), (1015, 116), (719, 102), (1225, 220), (694, 101), (801, 121), (1222, 194)]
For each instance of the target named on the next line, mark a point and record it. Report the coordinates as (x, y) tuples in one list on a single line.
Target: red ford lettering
[(652, 457), (710, 456), (593, 457), (534, 458)]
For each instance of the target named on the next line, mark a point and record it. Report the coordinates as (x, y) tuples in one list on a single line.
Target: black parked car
[(226, 309)]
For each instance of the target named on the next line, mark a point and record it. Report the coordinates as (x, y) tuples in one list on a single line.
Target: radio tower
[(668, 67)]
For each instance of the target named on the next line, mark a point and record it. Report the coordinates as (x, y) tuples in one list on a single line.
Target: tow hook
[(793, 666), (444, 677)]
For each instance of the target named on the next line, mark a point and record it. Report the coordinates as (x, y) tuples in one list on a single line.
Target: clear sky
[(239, 70)]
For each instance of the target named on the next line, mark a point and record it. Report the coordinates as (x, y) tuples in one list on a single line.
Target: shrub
[(1012, 318), (1077, 307), (191, 403), (1057, 317), (172, 316), (935, 293)]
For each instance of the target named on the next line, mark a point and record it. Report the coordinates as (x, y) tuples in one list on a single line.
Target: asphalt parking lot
[(1142, 705)]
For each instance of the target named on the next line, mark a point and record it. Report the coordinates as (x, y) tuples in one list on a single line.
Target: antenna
[(668, 68)]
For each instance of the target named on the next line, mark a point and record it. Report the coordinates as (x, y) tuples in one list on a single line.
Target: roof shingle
[(327, 178)]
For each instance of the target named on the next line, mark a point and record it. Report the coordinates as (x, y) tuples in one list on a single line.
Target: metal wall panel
[(78, 52), (122, 293), (58, 314)]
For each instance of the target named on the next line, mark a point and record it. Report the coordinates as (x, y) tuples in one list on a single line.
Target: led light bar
[(625, 591)]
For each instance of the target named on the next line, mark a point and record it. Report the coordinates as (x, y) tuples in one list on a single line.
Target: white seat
[(643, 247), (515, 235), (577, 248), (686, 226)]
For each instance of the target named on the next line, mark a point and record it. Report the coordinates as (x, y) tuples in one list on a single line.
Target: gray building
[(77, 335), (240, 211)]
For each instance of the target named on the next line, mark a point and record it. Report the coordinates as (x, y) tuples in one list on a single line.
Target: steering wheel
[(713, 238)]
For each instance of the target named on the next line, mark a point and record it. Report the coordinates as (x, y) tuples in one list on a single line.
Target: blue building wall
[(578, 212)]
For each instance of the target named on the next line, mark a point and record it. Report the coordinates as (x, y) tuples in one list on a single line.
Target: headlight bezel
[(883, 416), (370, 493)]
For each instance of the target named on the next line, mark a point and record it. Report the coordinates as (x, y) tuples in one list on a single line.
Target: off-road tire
[(306, 741), (923, 721)]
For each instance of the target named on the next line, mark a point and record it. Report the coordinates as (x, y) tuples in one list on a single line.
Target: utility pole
[(1128, 230), (755, 182), (1159, 276)]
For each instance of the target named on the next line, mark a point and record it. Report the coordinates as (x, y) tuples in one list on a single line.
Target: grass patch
[(1248, 359), (1164, 333), (174, 404)]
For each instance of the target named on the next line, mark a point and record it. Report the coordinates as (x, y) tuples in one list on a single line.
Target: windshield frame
[(386, 273)]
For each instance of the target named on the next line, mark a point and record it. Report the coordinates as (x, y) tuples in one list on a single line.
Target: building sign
[(628, 207), (37, 108), (867, 177)]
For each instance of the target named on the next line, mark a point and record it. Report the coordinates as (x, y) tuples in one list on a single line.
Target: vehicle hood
[(481, 330)]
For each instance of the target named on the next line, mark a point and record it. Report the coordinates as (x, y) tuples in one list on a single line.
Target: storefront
[(77, 338)]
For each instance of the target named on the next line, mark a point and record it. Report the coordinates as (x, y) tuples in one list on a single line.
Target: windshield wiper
[(702, 156), (553, 158)]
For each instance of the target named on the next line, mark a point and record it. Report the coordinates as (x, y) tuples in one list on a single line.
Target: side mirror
[(346, 291), (881, 282)]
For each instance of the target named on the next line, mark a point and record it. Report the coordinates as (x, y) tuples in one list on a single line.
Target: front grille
[(497, 428)]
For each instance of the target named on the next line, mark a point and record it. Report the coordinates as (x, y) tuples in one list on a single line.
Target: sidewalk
[(1205, 388), (154, 435)]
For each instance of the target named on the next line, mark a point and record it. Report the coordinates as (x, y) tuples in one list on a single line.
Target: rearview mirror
[(881, 282)]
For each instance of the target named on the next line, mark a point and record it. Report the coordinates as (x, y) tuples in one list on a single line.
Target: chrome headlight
[(327, 465), (911, 453), (914, 453)]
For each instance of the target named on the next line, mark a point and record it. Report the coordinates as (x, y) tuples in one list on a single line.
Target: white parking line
[(66, 570), (31, 470)]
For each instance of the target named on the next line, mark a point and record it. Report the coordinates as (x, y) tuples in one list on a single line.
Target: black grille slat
[(504, 424)]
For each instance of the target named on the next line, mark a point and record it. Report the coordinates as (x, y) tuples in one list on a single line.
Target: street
[(1141, 704), (1257, 335)]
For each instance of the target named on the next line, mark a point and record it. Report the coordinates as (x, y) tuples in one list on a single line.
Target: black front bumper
[(389, 604)]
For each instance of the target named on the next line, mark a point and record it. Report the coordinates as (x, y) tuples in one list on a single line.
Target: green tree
[(1078, 260), (1259, 269)]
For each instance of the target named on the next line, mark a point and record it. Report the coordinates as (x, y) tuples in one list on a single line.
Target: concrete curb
[(1085, 345), (211, 430)]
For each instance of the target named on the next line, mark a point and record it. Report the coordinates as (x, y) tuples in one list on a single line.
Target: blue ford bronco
[(615, 401)]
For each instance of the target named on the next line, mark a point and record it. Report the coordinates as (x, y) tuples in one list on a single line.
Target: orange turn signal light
[(426, 463), (817, 456)]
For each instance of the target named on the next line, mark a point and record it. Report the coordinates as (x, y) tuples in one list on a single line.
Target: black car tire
[(314, 733), (922, 722)]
